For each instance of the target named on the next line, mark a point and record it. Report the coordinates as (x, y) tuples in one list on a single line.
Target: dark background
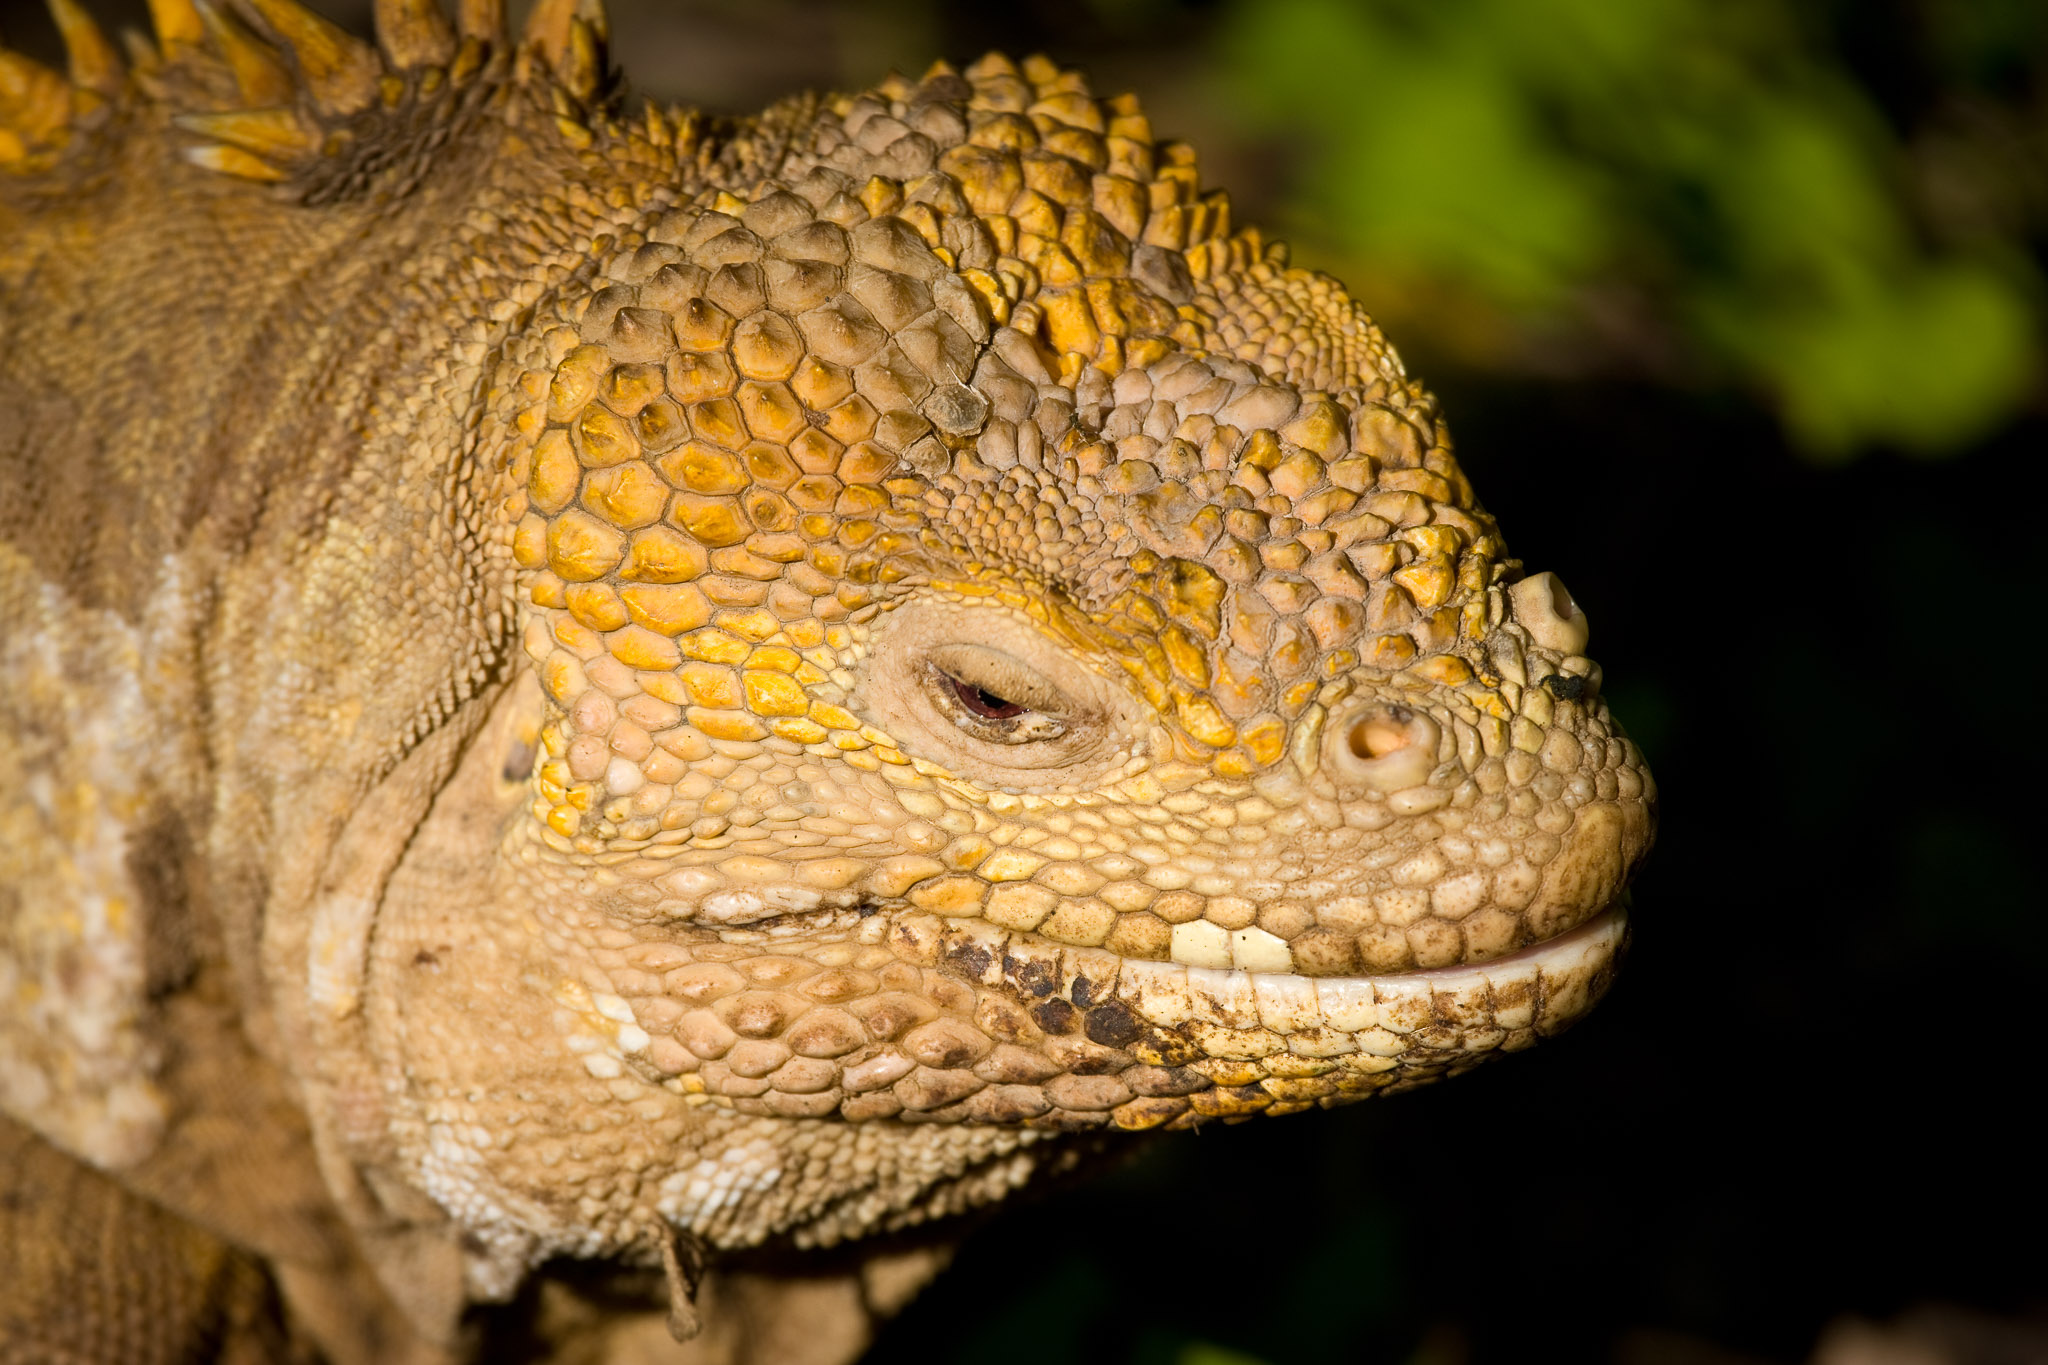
[(1736, 308)]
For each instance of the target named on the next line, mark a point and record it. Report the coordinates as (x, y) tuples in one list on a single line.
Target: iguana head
[(996, 649), (1016, 651)]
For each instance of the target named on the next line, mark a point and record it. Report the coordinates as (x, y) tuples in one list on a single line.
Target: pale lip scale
[(1168, 994), (1507, 1002)]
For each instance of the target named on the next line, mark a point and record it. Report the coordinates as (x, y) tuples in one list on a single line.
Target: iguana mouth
[(1420, 1019), (920, 1019)]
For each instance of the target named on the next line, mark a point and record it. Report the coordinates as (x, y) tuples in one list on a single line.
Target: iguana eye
[(995, 696), (986, 693)]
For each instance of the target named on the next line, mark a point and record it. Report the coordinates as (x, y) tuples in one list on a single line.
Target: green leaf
[(1505, 164)]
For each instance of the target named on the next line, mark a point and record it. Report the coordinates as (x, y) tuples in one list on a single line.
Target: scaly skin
[(632, 676)]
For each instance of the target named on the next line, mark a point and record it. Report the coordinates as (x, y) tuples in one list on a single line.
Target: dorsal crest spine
[(271, 90)]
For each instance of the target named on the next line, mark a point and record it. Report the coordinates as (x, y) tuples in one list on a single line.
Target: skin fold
[(596, 686)]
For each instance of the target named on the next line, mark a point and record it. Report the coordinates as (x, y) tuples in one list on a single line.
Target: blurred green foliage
[(1207, 1353), (1702, 177)]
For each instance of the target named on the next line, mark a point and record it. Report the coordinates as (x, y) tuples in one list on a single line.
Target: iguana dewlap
[(604, 684)]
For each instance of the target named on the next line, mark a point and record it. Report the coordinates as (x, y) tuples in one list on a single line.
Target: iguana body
[(590, 685)]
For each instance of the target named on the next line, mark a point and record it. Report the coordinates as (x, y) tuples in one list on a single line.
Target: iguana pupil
[(983, 702)]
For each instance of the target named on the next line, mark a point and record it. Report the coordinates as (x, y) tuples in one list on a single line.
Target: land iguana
[(582, 685)]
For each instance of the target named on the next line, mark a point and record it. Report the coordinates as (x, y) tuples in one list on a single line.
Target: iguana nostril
[(1381, 734), (1383, 745)]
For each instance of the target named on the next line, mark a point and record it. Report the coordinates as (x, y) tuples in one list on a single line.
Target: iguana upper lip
[(1604, 930), (1610, 925), (1544, 986)]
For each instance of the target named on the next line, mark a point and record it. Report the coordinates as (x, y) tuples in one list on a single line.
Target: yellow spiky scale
[(551, 37), (143, 58), (582, 67), (260, 78), (341, 72), (414, 32), (177, 24), (232, 161), (35, 106), (22, 79), (273, 133), (547, 29), (93, 61), (483, 20)]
